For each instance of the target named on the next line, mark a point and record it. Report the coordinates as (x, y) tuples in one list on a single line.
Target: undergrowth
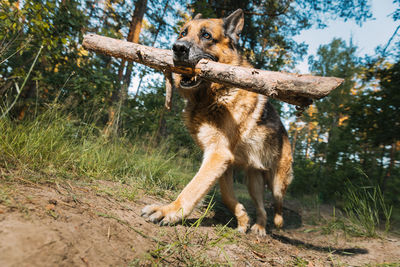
[(55, 146), (366, 208)]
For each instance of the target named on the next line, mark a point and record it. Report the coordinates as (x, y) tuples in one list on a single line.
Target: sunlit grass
[(55, 146)]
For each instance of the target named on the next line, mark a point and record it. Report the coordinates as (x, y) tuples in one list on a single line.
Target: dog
[(233, 127)]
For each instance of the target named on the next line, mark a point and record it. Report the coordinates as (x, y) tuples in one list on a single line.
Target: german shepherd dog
[(233, 127)]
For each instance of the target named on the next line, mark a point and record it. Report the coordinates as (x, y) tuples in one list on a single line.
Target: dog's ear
[(198, 16), (233, 25)]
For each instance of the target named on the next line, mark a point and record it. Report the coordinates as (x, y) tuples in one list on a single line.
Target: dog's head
[(213, 39)]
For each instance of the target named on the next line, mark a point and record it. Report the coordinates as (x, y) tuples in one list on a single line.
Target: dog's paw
[(241, 229), (165, 215), (278, 221), (258, 230), (152, 213)]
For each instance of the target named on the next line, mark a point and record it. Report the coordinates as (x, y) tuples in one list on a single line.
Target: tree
[(56, 27), (120, 92), (339, 60), (323, 142), (372, 113)]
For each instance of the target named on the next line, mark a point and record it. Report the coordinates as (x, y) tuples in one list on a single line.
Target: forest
[(68, 114)]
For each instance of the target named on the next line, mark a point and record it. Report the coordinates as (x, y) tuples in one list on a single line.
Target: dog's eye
[(184, 33), (206, 35)]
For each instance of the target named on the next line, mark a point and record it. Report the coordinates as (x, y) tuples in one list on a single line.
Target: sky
[(374, 32)]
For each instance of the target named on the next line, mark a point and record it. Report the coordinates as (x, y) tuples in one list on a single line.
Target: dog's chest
[(236, 120)]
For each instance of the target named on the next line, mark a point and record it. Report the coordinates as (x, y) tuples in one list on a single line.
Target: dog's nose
[(181, 50)]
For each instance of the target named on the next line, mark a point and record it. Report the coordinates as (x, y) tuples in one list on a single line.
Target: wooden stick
[(169, 86), (296, 89)]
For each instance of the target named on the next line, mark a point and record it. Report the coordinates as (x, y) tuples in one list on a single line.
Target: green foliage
[(63, 71), (19, 89), (380, 108), (345, 138), (323, 155), (306, 177)]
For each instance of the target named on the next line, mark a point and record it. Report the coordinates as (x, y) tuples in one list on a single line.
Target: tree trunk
[(120, 93), (153, 42), (296, 132), (308, 140)]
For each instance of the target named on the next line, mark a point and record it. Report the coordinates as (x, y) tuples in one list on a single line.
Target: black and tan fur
[(232, 127)]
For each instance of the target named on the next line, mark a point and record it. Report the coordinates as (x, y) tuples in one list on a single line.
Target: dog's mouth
[(190, 82), (206, 56)]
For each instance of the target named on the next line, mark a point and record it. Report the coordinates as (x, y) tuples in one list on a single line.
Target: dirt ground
[(99, 224)]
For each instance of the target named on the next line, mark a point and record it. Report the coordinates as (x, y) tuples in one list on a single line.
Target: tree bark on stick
[(296, 89)]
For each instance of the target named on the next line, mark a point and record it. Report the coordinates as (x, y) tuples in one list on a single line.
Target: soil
[(97, 224)]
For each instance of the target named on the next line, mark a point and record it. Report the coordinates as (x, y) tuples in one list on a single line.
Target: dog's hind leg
[(278, 193), (281, 180), (256, 187), (229, 199)]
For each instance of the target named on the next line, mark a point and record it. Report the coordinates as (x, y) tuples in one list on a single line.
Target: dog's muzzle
[(181, 51), (188, 55)]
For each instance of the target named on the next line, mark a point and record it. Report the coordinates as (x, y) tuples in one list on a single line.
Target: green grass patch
[(5, 193), (299, 262), (54, 146), (366, 208), (337, 224)]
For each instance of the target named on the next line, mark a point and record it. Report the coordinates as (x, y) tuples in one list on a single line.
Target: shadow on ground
[(292, 220), (327, 249)]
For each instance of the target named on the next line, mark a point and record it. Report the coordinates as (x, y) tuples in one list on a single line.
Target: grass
[(5, 193), (337, 224), (54, 146), (191, 246), (299, 262), (361, 220), (365, 206), (364, 212)]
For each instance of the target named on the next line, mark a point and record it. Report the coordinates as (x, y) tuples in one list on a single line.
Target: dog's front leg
[(214, 164)]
